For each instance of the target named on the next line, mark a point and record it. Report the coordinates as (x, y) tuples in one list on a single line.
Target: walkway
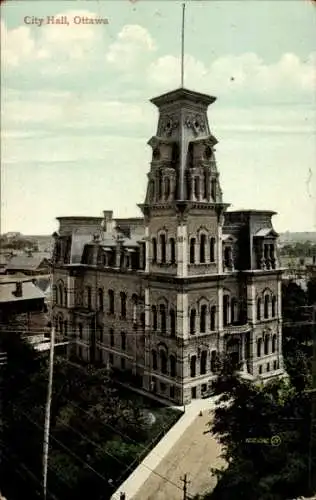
[(184, 449)]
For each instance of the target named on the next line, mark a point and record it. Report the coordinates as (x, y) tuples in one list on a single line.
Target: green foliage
[(97, 433)]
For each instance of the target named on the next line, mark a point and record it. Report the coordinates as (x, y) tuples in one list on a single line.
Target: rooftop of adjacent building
[(15, 289)]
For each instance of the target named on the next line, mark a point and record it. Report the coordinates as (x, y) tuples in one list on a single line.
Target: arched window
[(274, 343), (258, 309), (266, 344), (154, 317), (213, 189), (89, 296), (203, 319), (228, 257), (192, 250), (259, 347), (162, 242), (61, 295), (213, 361), (163, 322), (154, 360), (55, 298), (154, 248), (142, 320), (266, 306), (160, 184), (273, 311), (212, 250), (202, 248), (111, 301), (163, 362), (172, 361), (172, 315), (203, 362), (123, 304), (100, 299), (226, 310), (123, 341), (167, 188), (192, 321), (234, 315), (172, 250), (66, 297), (193, 366), (197, 187), (213, 318)]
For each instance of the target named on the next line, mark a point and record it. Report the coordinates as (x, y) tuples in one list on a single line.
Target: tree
[(258, 470)]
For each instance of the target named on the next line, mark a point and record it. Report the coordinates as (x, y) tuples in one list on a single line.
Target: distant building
[(30, 264), (159, 297)]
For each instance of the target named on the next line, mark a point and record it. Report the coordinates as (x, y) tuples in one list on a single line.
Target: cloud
[(244, 76), (16, 45), (133, 44)]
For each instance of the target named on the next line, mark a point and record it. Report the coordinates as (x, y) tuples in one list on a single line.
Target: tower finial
[(182, 45)]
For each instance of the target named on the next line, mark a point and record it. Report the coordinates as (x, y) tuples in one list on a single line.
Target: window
[(259, 346), (61, 295), (203, 362), (268, 367), (197, 187), (123, 304), (134, 301), (202, 248), (100, 334), (167, 188), (192, 321), (80, 328), (65, 328), (213, 189), (212, 250), (100, 299), (226, 310), (172, 315), (163, 362), (260, 369), (66, 297), (228, 257), (111, 301), (266, 306), (193, 366), (273, 312), (162, 242), (274, 341), (213, 318), (213, 361), (154, 248), (192, 250), (234, 314), (275, 365), (258, 309), (89, 302), (111, 337), (142, 320), (55, 298), (122, 363), (266, 344), (163, 387), (203, 388), (154, 360), (203, 319), (172, 360), (111, 359), (154, 317), (163, 325), (123, 341), (80, 352), (172, 250), (172, 392)]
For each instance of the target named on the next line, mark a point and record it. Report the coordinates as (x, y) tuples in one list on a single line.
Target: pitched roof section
[(29, 262), (29, 291), (267, 231)]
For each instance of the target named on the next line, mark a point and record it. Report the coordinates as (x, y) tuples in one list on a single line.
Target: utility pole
[(47, 412), (185, 486)]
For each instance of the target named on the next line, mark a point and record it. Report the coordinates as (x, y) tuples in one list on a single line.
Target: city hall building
[(158, 297)]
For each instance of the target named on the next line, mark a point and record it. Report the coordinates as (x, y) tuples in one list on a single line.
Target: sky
[(76, 116)]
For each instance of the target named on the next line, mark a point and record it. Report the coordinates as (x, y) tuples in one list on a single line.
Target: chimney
[(107, 221), (18, 289)]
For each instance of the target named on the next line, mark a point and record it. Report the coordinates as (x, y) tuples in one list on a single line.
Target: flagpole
[(182, 45)]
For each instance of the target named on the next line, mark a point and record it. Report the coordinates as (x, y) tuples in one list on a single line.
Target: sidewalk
[(184, 449)]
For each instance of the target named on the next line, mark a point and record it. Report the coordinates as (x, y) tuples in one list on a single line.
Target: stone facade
[(159, 297)]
